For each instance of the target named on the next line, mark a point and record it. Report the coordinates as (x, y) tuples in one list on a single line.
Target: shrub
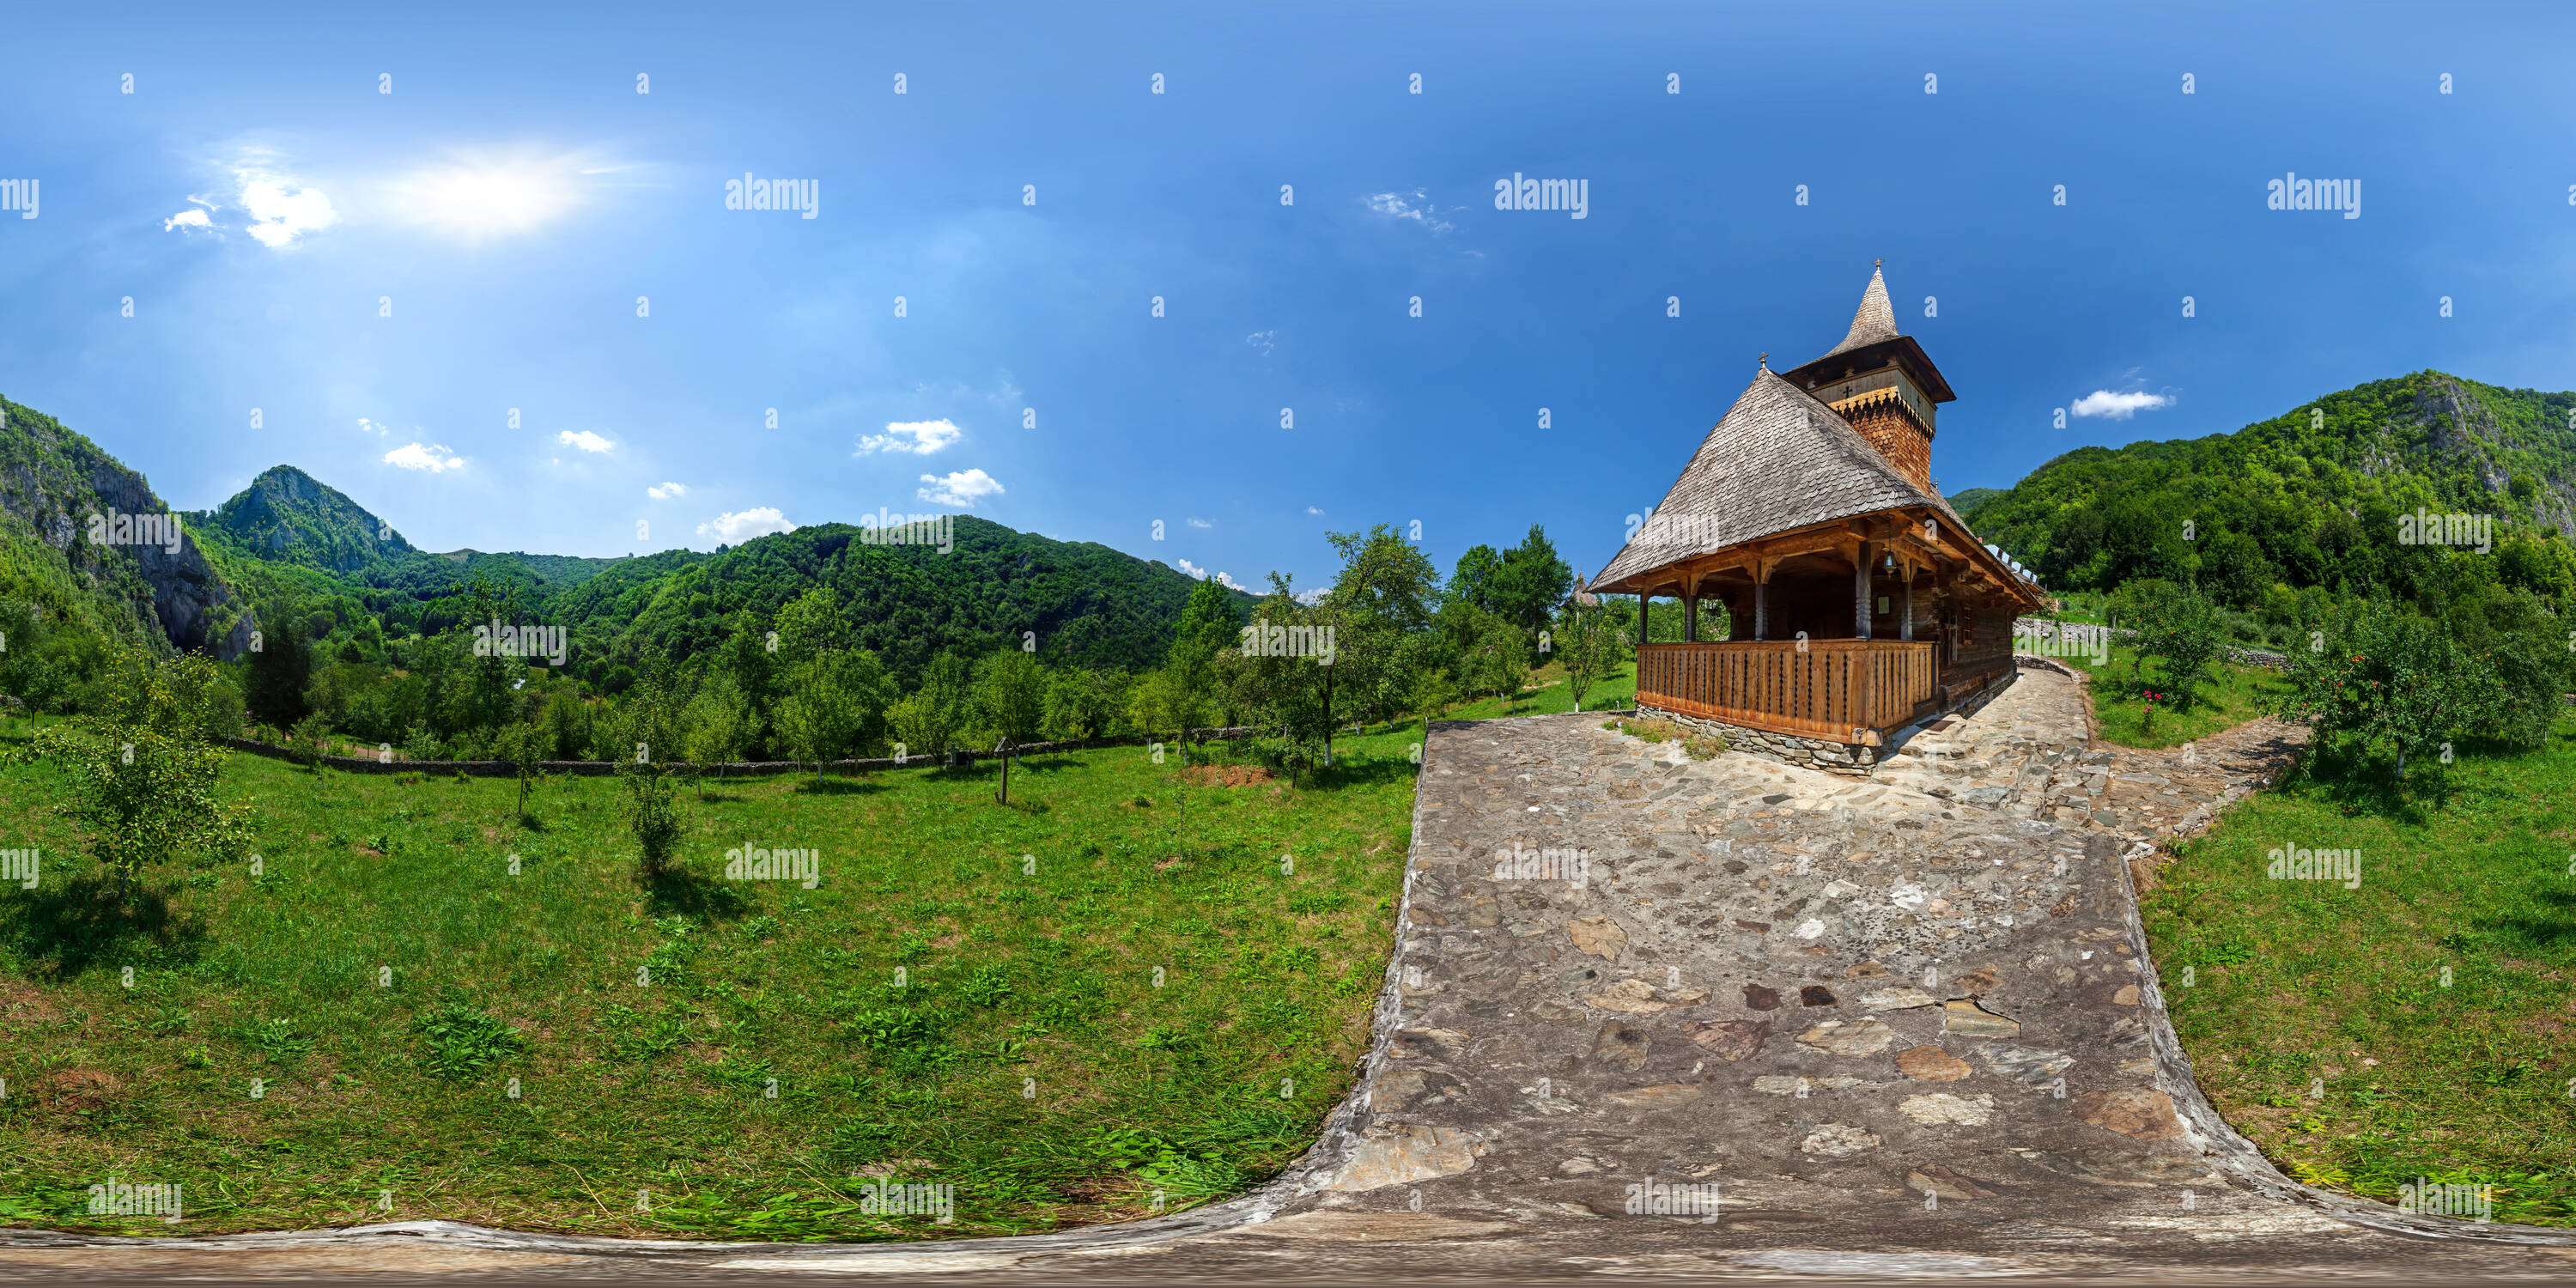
[(143, 769), (463, 1040)]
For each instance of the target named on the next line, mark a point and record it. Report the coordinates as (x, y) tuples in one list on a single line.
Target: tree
[(928, 722), (523, 745), (1531, 583), (1081, 703), (1382, 602), (649, 723), (2178, 627), (280, 669), (1473, 580), (1498, 662), (1589, 647), (1010, 694), (810, 624), (2385, 677), (835, 701), (143, 767), (719, 722), (746, 659)]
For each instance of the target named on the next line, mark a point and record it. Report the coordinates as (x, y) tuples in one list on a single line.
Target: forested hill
[(300, 554), (1085, 603), (2312, 497)]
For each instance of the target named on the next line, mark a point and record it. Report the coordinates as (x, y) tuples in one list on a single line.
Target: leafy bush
[(143, 770), (464, 1041)]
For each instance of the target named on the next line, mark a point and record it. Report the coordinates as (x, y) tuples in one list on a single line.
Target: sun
[(479, 197)]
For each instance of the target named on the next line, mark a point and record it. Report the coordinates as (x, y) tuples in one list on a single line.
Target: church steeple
[(1881, 381)]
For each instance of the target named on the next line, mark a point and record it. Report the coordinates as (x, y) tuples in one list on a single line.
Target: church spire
[(1875, 320)]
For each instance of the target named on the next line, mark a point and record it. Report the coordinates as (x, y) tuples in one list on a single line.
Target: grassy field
[(1115, 991), (2229, 699), (1544, 693), (2420, 1025)]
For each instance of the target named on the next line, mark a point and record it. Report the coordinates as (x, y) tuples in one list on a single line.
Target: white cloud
[(1402, 205), (195, 221), (434, 458), (1312, 510), (666, 491), (1197, 522), (281, 207), (366, 426), (2102, 402), (964, 487), (1263, 340), (585, 440), (1310, 596), (1221, 579), (919, 437), (743, 525)]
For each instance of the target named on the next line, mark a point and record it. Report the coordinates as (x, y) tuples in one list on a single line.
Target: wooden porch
[(1847, 691)]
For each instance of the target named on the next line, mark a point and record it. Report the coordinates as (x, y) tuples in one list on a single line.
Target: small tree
[(523, 745), (719, 722), (1589, 647), (834, 701), (143, 767), (1010, 693), (2389, 678), (650, 723), (2180, 628)]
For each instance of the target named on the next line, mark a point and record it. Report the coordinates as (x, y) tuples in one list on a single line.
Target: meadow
[(1133, 988), (2419, 1025)]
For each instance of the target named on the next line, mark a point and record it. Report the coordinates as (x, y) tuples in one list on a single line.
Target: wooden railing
[(1839, 690)]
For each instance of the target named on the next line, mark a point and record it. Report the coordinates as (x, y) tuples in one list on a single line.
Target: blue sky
[(259, 199)]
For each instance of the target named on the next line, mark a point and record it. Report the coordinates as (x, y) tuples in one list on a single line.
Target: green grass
[(2230, 698), (2293, 985), (1028, 1055), (1550, 696)]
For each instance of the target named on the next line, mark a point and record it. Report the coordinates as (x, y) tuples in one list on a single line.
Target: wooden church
[(1859, 601)]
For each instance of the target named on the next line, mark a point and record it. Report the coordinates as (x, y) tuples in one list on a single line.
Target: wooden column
[(1643, 599), (1906, 631), (1690, 608), (1860, 592)]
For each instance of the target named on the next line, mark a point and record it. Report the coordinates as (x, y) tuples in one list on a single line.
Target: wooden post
[(1690, 618), (1644, 600), (1000, 748), (1906, 630), (1860, 592), (1762, 606)]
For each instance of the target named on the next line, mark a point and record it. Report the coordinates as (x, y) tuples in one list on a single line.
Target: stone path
[(1650, 1017)]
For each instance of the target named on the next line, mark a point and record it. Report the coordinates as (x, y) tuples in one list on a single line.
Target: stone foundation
[(1850, 759)]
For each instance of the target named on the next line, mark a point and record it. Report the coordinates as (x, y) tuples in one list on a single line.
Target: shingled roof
[(1873, 322), (1777, 460)]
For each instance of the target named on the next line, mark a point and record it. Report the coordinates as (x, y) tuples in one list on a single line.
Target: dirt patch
[(79, 1089), (1227, 775), (22, 1004)]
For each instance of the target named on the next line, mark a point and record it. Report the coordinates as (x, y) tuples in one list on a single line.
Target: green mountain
[(290, 548), (1968, 500), (52, 481), (2314, 497)]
